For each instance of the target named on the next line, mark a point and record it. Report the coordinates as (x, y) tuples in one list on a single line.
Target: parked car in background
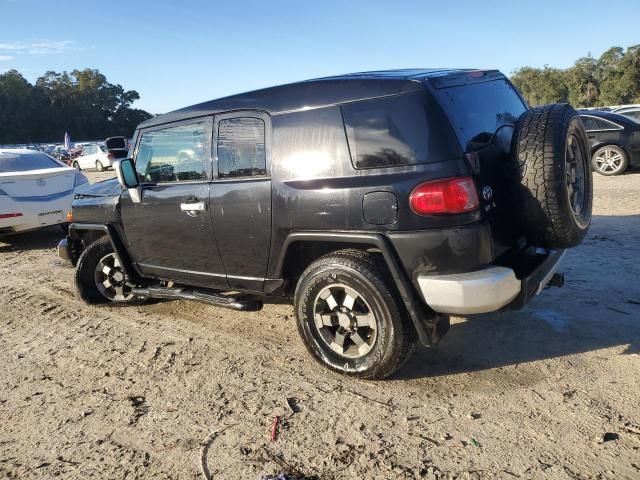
[(36, 190), (631, 111), (93, 156), (61, 154), (614, 141)]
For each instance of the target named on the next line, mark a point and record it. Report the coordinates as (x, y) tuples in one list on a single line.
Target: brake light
[(9, 215), (453, 195), (110, 156)]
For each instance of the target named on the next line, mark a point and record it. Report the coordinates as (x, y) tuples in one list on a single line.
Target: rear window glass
[(24, 162), (241, 151), (402, 130), (480, 109)]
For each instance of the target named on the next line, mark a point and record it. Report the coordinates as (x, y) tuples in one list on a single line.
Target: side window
[(402, 130), (607, 125), (589, 123), (175, 154), (241, 151)]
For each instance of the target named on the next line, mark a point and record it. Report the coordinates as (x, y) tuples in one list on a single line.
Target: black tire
[(99, 166), (85, 275), (552, 184), (615, 166), (76, 165), (367, 275)]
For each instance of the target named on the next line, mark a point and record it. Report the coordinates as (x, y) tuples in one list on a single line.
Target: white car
[(36, 190), (93, 156)]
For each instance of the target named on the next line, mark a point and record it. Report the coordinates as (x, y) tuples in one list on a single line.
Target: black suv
[(381, 203)]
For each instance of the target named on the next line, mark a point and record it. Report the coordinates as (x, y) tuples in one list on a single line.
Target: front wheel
[(100, 277), (350, 317), (99, 166), (610, 160)]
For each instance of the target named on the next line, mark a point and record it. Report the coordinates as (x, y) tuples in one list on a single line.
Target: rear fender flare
[(428, 324)]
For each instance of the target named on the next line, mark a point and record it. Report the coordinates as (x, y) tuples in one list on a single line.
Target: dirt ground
[(159, 391)]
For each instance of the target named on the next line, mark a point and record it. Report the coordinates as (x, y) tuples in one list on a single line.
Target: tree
[(82, 103), (540, 86), (612, 79)]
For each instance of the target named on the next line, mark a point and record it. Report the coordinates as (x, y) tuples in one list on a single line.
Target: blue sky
[(182, 52)]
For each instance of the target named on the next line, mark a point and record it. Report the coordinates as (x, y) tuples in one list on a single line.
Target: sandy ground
[(136, 392)]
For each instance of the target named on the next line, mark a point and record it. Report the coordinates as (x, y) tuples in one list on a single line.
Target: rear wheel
[(610, 160), (350, 317), (552, 187), (100, 277), (76, 165), (99, 166)]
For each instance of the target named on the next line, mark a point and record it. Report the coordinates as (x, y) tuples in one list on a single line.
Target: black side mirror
[(126, 172)]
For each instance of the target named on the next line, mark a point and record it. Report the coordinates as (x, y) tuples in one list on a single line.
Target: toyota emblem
[(487, 193), (41, 182)]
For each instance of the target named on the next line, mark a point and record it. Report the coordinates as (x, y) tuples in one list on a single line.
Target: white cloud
[(5, 57), (36, 47)]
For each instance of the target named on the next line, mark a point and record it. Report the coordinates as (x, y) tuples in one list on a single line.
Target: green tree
[(82, 102), (541, 86)]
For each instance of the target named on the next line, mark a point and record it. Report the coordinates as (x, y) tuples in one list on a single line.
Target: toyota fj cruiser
[(382, 203)]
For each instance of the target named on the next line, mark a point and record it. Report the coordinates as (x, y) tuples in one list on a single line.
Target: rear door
[(241, 196), (170, 232)]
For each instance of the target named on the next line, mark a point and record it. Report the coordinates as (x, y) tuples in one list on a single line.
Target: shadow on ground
[(35, 240)]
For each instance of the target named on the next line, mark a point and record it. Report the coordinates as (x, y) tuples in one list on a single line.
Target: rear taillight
[(453, 195), (110, 157), (9, 215)]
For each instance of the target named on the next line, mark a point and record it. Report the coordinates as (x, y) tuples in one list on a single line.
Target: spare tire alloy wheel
[(575, 170), (610, 160), (345, 321), (111, 279), (552, 185)]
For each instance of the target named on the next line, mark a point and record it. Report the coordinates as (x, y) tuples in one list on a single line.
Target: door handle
[(193, 207)]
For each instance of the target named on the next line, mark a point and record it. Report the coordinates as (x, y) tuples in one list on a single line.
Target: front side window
[(176, 154), (241, 151)]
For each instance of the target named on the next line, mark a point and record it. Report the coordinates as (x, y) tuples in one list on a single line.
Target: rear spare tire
[(552, 186)]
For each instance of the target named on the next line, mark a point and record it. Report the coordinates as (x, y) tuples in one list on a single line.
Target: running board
[(235, 303)]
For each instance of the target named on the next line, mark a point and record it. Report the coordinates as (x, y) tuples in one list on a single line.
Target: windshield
[(479, 110), (24, 162)]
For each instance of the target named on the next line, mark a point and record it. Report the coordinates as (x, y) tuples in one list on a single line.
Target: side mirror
[(126, 172), (128, 178)]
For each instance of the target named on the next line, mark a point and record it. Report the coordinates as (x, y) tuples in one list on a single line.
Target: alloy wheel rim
[(575, 175), (344, 321), (111, 280), (608, 160)]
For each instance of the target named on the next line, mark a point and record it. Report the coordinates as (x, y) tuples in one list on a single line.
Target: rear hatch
[(483, 108), (117, 147)]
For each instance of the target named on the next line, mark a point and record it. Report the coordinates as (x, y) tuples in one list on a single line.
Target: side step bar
[(242, 304)]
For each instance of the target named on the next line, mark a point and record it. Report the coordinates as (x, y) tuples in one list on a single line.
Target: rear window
[(24, 162), (402, 130), (478, 110)]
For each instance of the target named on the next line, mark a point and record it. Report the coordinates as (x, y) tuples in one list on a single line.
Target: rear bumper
[(511, 285), (35, 214)]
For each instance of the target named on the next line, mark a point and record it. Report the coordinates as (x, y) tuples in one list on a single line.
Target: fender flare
[(429, 325), (116, 242)]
